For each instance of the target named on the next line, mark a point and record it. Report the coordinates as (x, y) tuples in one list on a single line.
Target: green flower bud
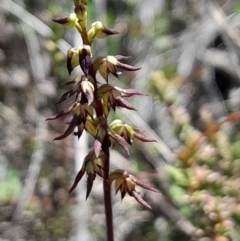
[(80, 11), (98, 30), (69, 22)]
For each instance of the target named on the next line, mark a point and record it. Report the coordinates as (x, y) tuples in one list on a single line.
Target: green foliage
[(10, 187), (205, 180)]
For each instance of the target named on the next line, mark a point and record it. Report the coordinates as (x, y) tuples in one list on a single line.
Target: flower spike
[(92, 103)]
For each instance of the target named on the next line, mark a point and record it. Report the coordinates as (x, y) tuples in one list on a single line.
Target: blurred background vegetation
[(189, 52)]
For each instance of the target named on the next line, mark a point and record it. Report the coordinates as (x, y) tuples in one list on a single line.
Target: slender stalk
[(84, 36), (107, 197)]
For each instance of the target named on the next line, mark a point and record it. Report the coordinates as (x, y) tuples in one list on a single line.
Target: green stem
[(107, 197)]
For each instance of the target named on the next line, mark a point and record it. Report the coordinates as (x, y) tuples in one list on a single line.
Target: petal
[(72, 59), (139, 199), (62, 112), (109, 31), (70, 128), (121, 141), (60, 20), (85, 63), (118, 183), (97, 147), (121, 57), (77, 179), (102, 31), (143, 138), (105, 88), (123, 103), (123, 192), (87, 88), (68, 21), (146, 186), (80, 11), (103, 71), (90, 180), (131, 92), (69, 82), (70, 55), (89, 96), (90, 127), (68, 94), (127, 67), (85, 59), (79, 132), (112, 69)]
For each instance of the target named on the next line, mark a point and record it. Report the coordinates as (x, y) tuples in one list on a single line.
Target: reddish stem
[(107, 195)]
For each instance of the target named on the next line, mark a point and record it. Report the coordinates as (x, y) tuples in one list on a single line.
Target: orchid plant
[(90, 110)]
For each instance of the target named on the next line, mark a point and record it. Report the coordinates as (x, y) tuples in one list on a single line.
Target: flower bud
[(69, 22), (80, 11), (128, 132), (98, 30)]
